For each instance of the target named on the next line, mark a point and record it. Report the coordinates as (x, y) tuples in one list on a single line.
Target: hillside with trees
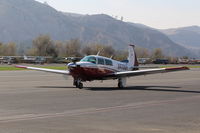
[(43, 45), (24, 20)]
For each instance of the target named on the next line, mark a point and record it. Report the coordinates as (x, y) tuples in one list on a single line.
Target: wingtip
[(178, 68), (186, 68), (19, 66)]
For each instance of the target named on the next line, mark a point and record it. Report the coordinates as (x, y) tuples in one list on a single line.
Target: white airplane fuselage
[(97, 69)]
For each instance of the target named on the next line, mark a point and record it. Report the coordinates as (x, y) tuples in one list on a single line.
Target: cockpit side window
[(108, 62), (91, 59), (101, 61)]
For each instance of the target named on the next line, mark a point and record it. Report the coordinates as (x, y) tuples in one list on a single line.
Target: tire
[(120, 85), (75, 83), (80, 86), (77, 86)]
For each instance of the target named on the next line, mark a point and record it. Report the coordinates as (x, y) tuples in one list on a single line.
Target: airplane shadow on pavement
[(132, 88), (145, 88), (56, 87)]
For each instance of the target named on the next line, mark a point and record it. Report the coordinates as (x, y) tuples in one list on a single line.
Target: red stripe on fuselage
[(90, 73)]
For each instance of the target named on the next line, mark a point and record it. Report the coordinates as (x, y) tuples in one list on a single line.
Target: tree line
[(43, 45), (8, 49)]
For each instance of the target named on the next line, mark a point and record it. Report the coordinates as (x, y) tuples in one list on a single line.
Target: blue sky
[(155, 13)]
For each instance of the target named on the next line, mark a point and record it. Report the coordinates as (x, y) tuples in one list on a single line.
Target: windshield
[(91, 59)]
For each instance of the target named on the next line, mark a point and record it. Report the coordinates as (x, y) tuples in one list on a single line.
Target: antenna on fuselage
[(111, 56), (99, 52)]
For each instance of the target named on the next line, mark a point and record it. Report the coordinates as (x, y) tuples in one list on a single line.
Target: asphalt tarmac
[(38, 102)]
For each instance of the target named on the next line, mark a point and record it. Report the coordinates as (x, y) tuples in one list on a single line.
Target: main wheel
[(120, 85), (75, 83)]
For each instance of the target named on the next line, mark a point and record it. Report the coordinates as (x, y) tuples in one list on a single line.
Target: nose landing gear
[(78, 83)]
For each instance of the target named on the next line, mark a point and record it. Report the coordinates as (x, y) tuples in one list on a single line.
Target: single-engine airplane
[(95, 67)]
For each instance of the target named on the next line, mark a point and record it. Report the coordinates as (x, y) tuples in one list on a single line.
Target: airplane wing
[(147, 71), (64, 72)]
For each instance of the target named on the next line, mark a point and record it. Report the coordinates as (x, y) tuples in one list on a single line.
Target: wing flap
[(64, 72), (148, 71)]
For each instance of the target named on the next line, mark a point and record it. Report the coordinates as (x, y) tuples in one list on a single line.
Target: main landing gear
[(121, 82), (78, 84)]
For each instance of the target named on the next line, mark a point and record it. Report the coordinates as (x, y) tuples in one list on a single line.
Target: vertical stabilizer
[(132, 58), (25, 57)]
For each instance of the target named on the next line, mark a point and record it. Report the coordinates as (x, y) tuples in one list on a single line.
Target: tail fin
[(132, 58), (25, 57)]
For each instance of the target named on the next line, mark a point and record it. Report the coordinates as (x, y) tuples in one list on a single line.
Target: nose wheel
[(80, 86), (78, 83)]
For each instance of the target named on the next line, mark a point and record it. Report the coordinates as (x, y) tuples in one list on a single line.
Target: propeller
[(73, 61)]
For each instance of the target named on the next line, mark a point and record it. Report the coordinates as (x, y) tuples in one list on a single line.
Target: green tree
[(1, 48), (10, 49), (73, 48), (31, 52), (44, 46), (103, 50), (157, 53), (60, 49), (142, 52), (92, 49), (172, 60), (121, 55), (108, 51)]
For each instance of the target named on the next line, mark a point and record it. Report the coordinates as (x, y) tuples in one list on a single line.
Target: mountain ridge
[(188, 37), (24, 20)]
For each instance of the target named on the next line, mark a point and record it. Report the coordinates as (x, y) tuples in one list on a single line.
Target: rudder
[(132, 58)]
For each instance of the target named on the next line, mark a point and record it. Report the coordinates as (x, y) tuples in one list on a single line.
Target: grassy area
[(194, 66), (190, 66), (55, 67), (13, 68), (9, 68)]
